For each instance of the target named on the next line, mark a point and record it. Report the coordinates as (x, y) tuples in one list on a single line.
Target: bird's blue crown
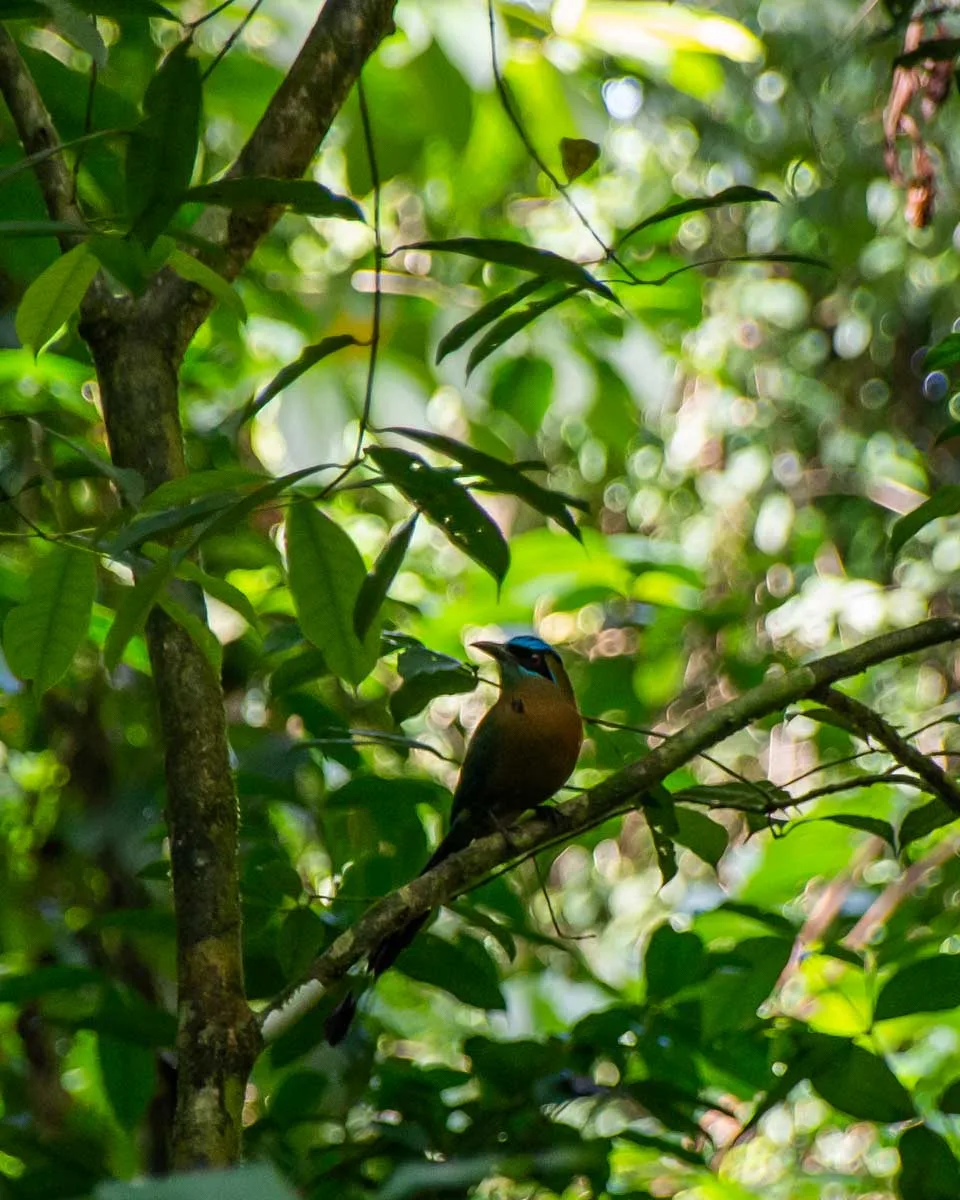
[(527, 641)]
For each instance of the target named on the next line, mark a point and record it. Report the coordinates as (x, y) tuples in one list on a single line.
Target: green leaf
[(129, 1078), (738, 194), (302, 195), (944, 354), (425, 676), (133, 610), (577, 155), (463, 968), (928, 1168), (464, 330), (308, 358), (503, 477), (41, 637), (862, 1085), (510, 325), (951, 431), (706, 838), (949, 1101), (827, 716), (299, 669), (326, 574), (125, 259), (39, 228), (166, 521), (256, 1182), (448, 505), (54, 296), (225, 592), (523, 257), (299, 940), (298, 1096), (177, 492), (162, 149), (672, 961), (871, 825), (924, 820), (945, 502), (376, 584), (32, 160), (930, 985), (188, 267), (19, 989)]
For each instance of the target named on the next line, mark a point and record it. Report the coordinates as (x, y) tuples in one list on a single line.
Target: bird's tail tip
[(338, 1023)]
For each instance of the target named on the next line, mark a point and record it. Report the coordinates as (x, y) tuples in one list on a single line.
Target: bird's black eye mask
[(536, 662)]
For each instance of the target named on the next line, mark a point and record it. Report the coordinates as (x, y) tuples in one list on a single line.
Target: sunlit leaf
[(326, 574), (133, 610), (54, 296), (41, 637), (448, 505)]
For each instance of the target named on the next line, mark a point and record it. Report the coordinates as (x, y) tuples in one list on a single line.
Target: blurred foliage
[(734, 447)]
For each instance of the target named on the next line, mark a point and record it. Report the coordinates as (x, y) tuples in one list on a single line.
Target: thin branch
[(872, 725), (626, 789), (377, 265), (859, 781), (231, 40)]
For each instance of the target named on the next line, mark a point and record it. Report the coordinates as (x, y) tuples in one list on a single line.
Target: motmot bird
[(522, 751)]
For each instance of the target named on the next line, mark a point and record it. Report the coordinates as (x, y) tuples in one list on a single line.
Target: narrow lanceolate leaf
[(326, 574), (944, 503), (292, 371), (54, 296), (739, 194), (503, 477), (163, 147), (188, 267), (448, 505), (512, 324), (31, 160), (133, 610), (373, 590), (523, 257), (464, 330), (302, 195), (41, 636)]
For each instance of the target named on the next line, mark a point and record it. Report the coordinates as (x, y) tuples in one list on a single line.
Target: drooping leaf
[(376, 584), (672, 961), (928, 1167), (307, 359), (738, 194), (511, 324), (302, 195), (945, 502), (862, 1085), (707, 839), (299, 940), (199, 631), (133, 610), (920, 821), (125, 259), (463, 968), (951, 431), (326, 574), (177, 492), (19, 989), (157, 523), (930, 985), (162, 149), (464, 330), (129, 1078), (503, 477), (54, 296), (32, 160), (871, 825), (448, 505), (523, 257), (577, 155), (426, 675), (188, 267), (944, 354), (41, 637)]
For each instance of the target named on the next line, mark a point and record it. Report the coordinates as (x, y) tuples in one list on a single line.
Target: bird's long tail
[(386, 953)]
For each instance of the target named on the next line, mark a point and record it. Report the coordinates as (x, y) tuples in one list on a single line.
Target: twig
[(377, 264), (231, 40), (859, 781), (874, 726)]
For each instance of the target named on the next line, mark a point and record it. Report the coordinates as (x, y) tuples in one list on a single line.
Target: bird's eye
[(536, 659)]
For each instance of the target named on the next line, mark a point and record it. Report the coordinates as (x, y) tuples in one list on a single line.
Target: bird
[(523, 751)]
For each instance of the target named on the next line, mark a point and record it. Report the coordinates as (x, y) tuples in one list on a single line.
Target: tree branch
[(620, 793), (294, 124), (872, 725)]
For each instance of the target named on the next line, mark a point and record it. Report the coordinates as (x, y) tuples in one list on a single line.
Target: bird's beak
[(494, 649)]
